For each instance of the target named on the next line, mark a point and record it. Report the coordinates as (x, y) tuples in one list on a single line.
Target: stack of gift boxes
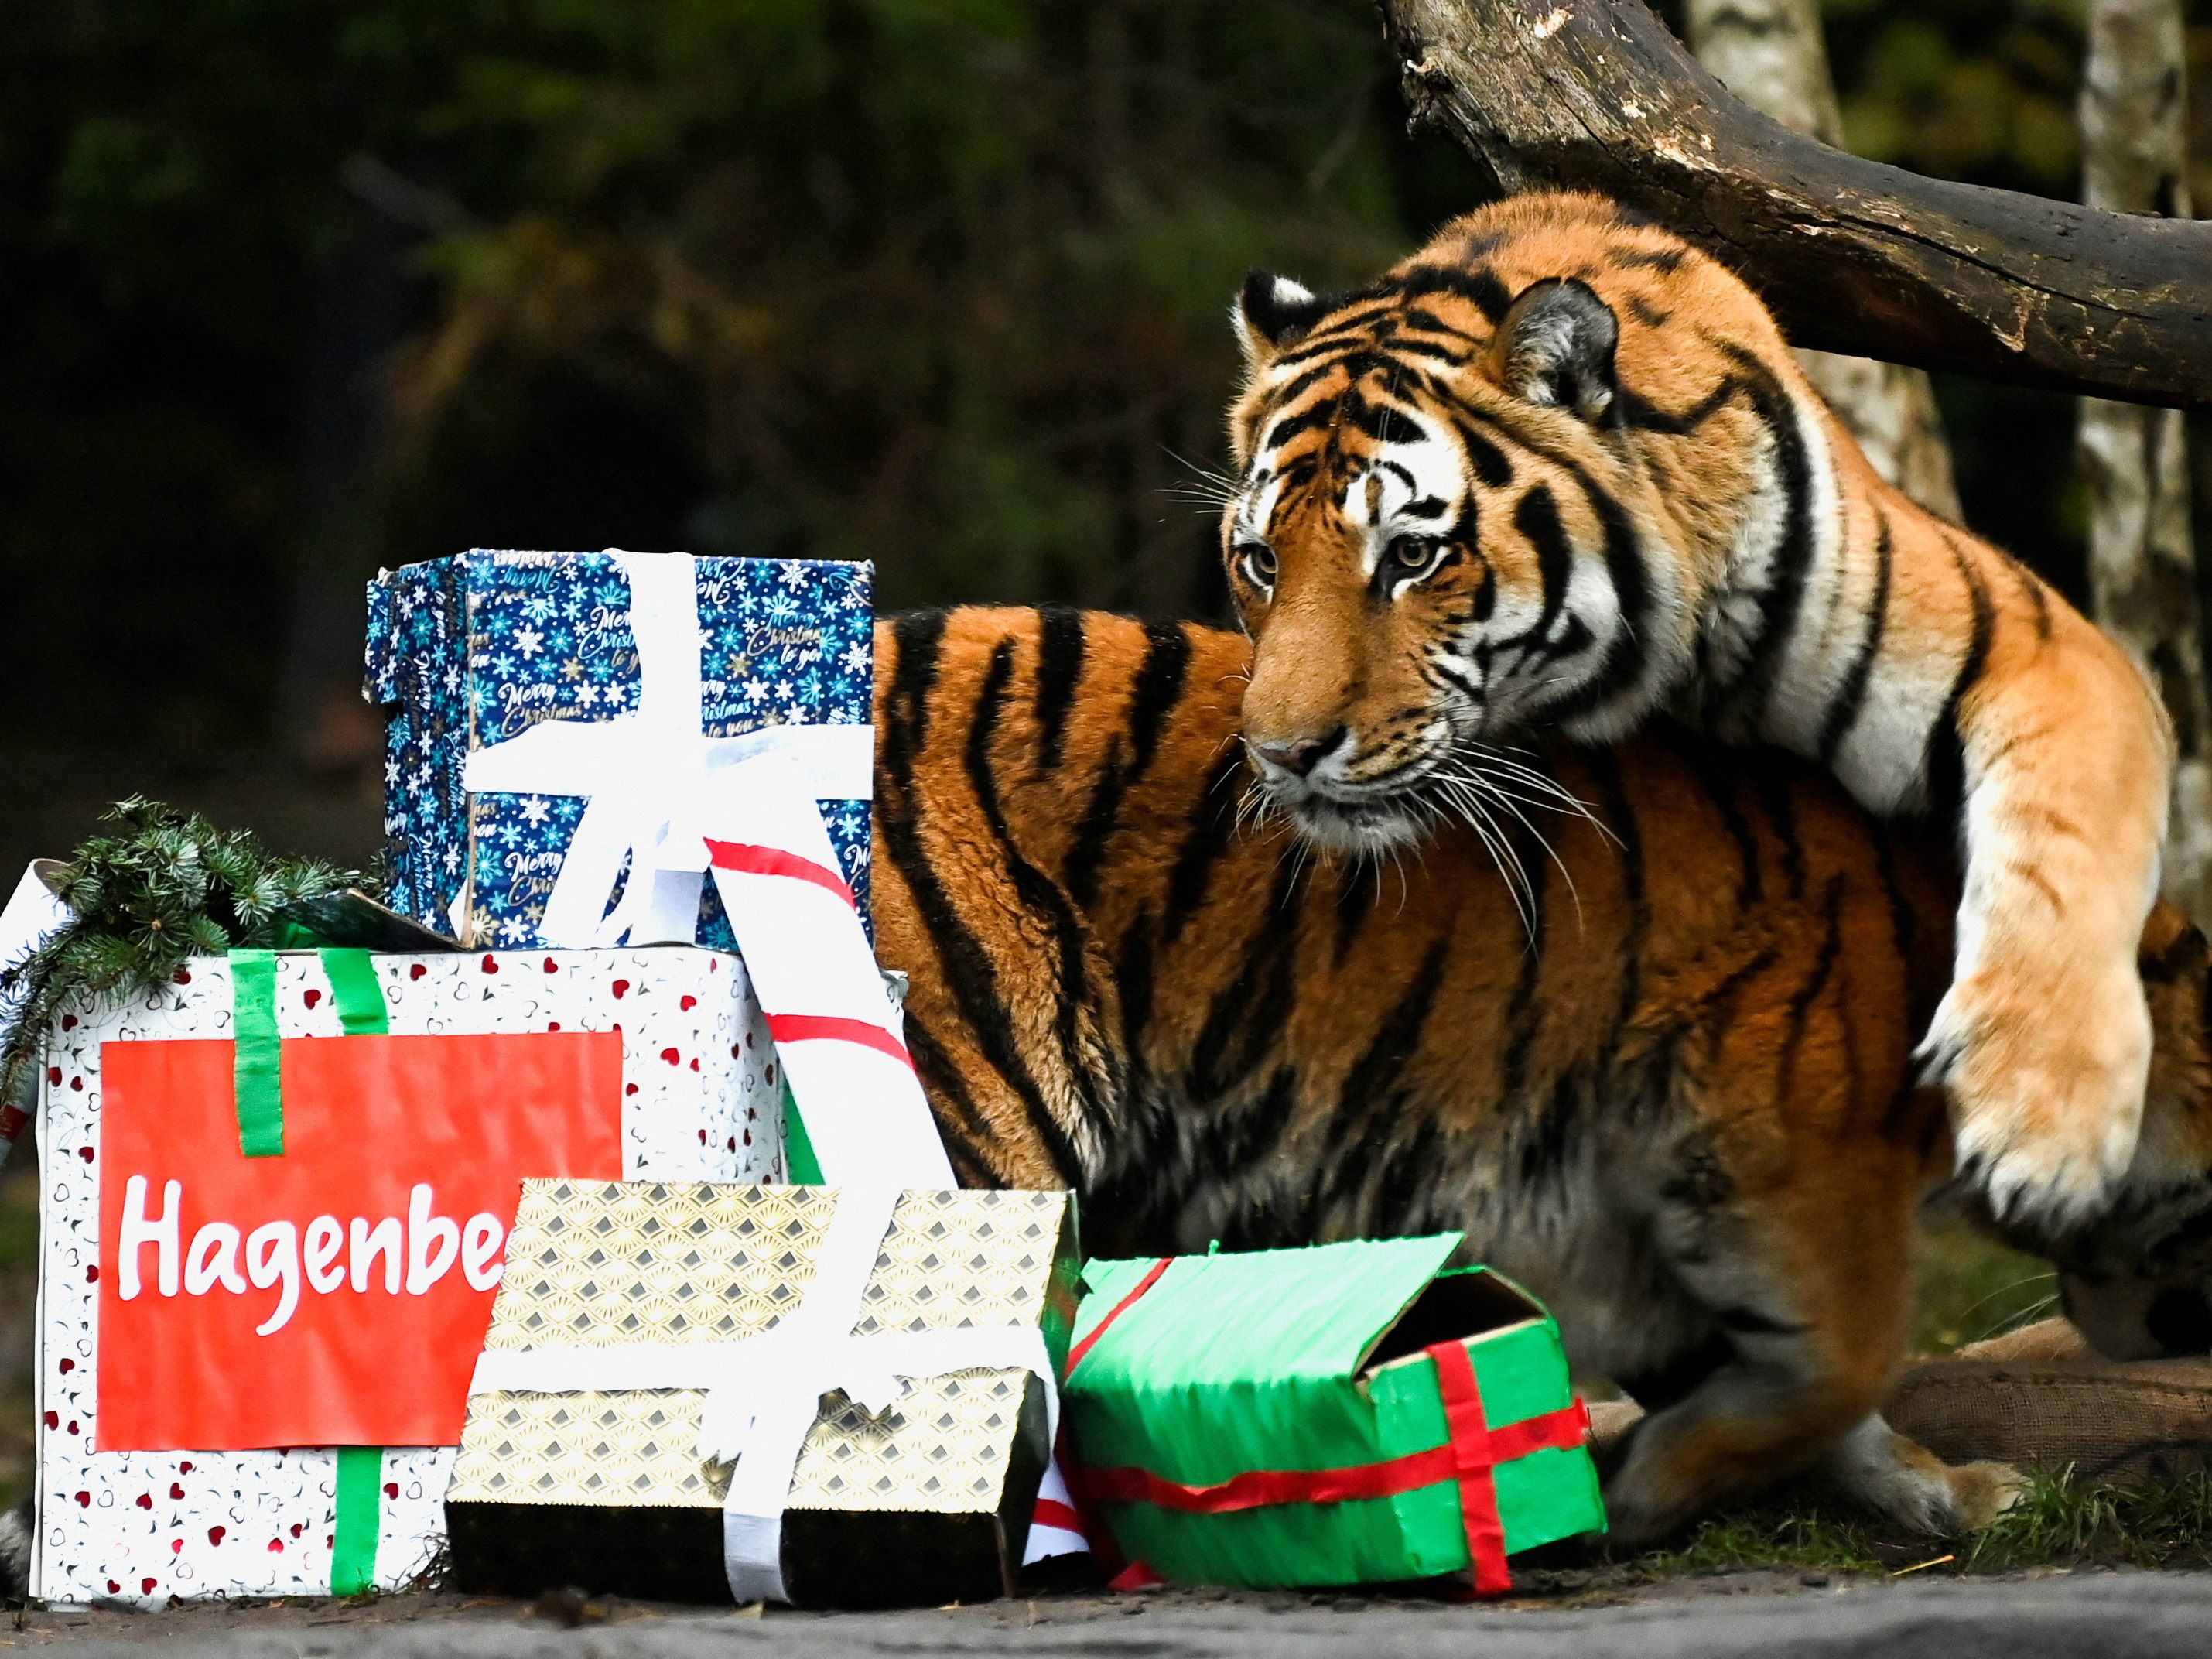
[(473, 1256)]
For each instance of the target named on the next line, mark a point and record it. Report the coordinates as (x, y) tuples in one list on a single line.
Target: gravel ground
[(2111, 1615)]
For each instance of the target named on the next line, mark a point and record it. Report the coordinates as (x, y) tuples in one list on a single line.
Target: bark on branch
[(1851, 255)]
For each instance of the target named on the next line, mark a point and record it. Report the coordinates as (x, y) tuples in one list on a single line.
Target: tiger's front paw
[(2044, 1065)]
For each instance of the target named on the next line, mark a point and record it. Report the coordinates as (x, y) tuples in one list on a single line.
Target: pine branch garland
[(169, 886)]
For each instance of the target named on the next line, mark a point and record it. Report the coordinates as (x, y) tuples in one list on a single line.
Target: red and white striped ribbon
[(800, 932), (761, 838)]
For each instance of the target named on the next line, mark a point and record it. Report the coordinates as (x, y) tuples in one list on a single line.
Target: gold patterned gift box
[(879, 1363)]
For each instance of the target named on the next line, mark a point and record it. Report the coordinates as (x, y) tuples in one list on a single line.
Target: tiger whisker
[(1560, 798), (1301, 851), (1506, 799), (1467, 800), (2005, 1289), (1251, 810), (1201, 468), (1501, 852), (1505, 855), (2038, 1308)]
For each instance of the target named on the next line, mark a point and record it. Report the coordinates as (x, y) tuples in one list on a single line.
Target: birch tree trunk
[(2142, 577), (1771, 54)]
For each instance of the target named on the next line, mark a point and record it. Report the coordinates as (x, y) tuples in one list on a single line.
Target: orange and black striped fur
[(1557, 472), (1683, 1111)]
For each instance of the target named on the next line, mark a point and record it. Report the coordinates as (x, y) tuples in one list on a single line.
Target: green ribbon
[(360, 1519), (357, 996), (257, 1070), (801, 1166), (355, 992)]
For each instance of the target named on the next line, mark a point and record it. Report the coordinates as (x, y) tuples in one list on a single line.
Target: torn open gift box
[(1348, 1413)]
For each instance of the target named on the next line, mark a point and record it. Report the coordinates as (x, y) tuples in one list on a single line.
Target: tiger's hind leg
[(1755, 1419), (1804, 1283)]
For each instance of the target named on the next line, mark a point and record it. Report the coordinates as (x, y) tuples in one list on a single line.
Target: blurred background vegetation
[(298, 288)]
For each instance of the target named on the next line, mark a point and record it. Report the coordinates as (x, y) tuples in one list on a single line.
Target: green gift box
[(1346, 1414)]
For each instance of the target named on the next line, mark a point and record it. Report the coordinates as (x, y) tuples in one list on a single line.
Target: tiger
[(1556, 473), (1668, 1088)]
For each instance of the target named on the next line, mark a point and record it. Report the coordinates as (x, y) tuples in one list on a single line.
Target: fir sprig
[(168, 886)]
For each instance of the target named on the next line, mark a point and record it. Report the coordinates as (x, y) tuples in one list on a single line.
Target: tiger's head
[(1479, 499)]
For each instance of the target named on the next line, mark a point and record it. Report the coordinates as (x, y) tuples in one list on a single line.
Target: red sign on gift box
[(336, 1294)]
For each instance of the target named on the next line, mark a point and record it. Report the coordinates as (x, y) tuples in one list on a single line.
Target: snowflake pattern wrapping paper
[(466, 652), (142, 1526)]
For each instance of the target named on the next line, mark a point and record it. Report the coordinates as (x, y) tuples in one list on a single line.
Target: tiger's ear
[(1555, 347), (1271, 313)]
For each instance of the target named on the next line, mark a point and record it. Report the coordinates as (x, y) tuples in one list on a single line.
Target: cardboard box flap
[(353, 921), (1466, 1303), (1246, 1316), (406, 617)]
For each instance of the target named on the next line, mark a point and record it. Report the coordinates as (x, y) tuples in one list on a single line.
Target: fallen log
[(1852, 256)]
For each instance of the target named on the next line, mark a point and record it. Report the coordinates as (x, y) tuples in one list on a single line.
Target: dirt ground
[(2121, 1614)]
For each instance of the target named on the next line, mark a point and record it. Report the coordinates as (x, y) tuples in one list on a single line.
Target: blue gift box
[(467, 653)]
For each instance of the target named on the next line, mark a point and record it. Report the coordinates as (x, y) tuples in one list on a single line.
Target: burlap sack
[(2039, 1398)]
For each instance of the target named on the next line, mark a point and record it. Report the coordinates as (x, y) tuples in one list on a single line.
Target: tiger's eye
[(1260, 558), (1413, 552)]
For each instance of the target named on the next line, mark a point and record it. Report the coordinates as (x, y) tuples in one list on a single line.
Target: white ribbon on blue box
[(471, 652), (670, 804), (644, 772)]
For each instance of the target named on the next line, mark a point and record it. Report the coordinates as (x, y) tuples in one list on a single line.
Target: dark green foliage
[(940, 282), (168, 886)]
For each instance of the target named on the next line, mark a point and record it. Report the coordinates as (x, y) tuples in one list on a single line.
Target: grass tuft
[(2058, 1521), (1754, 1539)]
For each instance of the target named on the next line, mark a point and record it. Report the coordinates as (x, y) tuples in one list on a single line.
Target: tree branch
[(1851, 255)]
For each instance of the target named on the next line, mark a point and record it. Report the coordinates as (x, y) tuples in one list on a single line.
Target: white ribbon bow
[(764, 1392), (657, 790), (646, 774)]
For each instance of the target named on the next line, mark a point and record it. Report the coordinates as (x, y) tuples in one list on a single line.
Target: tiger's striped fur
[(1556, 472), (1682, 1111)]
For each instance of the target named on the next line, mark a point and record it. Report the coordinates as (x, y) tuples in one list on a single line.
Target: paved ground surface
[(2110, 1616)]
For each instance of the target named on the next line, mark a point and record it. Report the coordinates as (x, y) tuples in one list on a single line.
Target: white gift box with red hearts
[(702, 1100)]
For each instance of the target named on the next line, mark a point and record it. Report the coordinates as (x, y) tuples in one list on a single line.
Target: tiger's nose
[(1300, 755)]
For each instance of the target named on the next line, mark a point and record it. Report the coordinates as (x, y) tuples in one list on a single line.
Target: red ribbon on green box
[(1466, 1457), (258, 1075)]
